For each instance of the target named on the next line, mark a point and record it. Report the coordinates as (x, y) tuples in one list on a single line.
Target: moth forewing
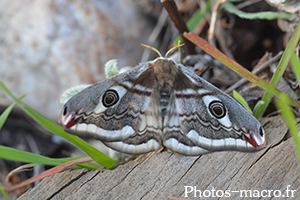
[(162, 103)]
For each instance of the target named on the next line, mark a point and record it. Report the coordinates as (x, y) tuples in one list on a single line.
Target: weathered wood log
[(268, 173)]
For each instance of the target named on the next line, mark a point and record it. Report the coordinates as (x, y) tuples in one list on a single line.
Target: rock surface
[(49, 46)]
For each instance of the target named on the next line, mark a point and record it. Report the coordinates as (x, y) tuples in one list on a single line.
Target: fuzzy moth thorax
[(165, 71)]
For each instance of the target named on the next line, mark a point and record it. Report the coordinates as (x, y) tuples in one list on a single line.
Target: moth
[(161, 103)]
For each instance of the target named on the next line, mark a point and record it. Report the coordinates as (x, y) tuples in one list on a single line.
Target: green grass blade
[(238, 97), (279, 71), (288, 115), (229, 7), (95, 154), (199, 14), (27, 157), (258, 105), (296, 65), (235, 66), (194, 20), (3, 192), (5, 114)]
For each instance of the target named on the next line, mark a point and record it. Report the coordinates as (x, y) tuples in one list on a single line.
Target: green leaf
[(111, 68), (279, 71), (194, 20), (27, 157), (3, 192), (288, 115), (198, 15), (5, 114), (238, 97), (209, 49), (95, 154), (296, 65), (229, 7), (258, 106)]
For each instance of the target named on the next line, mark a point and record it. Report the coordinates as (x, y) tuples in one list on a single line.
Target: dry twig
[(257, 70), (176, 18)]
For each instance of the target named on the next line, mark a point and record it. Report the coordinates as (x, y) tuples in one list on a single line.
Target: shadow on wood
[(168, 175)]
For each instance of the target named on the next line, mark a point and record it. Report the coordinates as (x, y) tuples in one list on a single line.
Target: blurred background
[(48, 46)]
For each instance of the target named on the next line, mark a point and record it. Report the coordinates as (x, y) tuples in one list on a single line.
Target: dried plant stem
[(213, 21), (259, 69), (157, 29), (176, 18)]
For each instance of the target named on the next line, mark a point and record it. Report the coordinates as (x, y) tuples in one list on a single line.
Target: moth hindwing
[(161, 103)]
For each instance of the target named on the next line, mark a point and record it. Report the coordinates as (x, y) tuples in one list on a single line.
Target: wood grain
[(164, 175)]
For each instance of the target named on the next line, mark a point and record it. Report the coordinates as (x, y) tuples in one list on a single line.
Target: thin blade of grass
[(199, 14), (296, 65), (194, 20), (3, 192), (27, 157), (22, 156), (49, 172), (258, 105), (229, 7), (5, 114), (95, 154), (279, 72), (238, 97), (234, 66), (288, 115)]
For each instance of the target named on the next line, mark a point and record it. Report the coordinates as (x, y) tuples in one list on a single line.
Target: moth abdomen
[(164, 101)]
